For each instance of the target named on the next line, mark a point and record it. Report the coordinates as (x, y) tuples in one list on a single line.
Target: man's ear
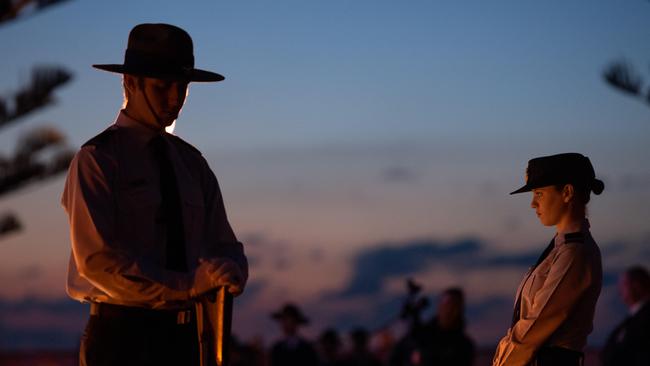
[(129, 83), (568, 192)]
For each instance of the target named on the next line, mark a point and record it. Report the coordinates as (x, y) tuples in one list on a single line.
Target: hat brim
[(191, 75), (530, 186), (523, 189)]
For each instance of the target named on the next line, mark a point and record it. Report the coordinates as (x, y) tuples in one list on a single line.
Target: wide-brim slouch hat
[(290, 311), (160, 51), (567, 168)]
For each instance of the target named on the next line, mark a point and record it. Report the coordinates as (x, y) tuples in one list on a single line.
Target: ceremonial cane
[(214, 320), (223, 326)]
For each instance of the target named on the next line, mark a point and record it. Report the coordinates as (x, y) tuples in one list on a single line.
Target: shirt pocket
[(537, 281), (138, 203), (194, 215)]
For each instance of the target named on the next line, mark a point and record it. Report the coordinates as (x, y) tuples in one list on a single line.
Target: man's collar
[(142, 132)]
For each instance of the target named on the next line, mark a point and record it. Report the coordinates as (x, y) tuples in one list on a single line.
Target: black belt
[(558, 356), (173, 316)]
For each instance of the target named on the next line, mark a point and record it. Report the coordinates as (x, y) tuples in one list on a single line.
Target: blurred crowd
[(438, 340)]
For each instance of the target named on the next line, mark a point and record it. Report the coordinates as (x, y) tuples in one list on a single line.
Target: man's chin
[(167, 121)]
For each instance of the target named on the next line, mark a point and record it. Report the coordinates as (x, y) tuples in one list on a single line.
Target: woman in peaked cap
[(556, 300)]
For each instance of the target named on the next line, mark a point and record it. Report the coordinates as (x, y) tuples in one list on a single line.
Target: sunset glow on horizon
[(356, 144)]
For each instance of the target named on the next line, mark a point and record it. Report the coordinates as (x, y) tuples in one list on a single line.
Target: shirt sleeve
[(567, 279), (97, 254), (222, 241)]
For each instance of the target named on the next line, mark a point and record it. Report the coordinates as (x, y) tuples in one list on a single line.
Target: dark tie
[(516, 314), (171, 208)]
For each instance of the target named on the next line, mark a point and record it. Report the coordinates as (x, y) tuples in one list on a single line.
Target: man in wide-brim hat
[(292, 349), (148, 227), (292, 313)]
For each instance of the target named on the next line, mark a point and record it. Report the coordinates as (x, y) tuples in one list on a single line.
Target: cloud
[(383, 313), (372, 267), (613, 249), (488, 316), (518, 260), (398, 174), (282, 263), (254, 239), (41, 324), (634, 182), (253, 289), (481, 309), (380, 262), (261, 249), (316, 255), (371, 297), (512, 223), (29, 273)]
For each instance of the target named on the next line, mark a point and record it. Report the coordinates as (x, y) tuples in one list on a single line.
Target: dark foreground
[(69, 358)]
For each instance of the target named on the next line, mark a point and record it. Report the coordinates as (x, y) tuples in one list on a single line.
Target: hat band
[(149, 64)]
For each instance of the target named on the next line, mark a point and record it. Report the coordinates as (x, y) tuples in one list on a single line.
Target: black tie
[(516, 315), (171, 208)]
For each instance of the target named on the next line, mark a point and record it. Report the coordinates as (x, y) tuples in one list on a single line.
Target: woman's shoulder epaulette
[(574, 237)]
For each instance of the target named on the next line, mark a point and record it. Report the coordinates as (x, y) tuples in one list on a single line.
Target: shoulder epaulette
[(185, 143), (574, 237), (102, 138)]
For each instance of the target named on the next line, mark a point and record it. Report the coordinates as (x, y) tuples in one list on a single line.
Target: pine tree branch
[(9, 223), (35, 95)]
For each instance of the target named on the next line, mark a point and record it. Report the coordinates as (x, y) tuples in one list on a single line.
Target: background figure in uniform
[(555, 302), (629, 343), (360, 354), (292, 349), (444, 342), (148, 227), (329, 345)]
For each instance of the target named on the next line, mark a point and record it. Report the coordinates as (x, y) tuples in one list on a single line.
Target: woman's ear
[(568, 192)]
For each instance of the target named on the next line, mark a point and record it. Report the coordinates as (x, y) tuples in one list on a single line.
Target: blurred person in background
[(245, 353), (443, 339), (292, 349), (556, 300), (384, 344), (329, 345), (629, 342), (360, 354)]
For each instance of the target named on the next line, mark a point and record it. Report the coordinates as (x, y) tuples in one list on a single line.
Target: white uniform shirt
[(112, 198)]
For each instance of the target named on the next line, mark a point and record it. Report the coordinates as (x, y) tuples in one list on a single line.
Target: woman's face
[(550, 205)]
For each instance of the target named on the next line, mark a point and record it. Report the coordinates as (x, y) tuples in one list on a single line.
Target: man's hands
[(217, 272)]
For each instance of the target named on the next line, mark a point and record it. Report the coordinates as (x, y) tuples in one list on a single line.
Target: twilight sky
[(357, 143)]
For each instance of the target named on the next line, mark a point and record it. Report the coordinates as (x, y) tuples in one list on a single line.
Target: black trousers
[(119, 335), (557, 356)]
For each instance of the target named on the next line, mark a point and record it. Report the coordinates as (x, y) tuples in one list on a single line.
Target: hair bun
[(597, 186)]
